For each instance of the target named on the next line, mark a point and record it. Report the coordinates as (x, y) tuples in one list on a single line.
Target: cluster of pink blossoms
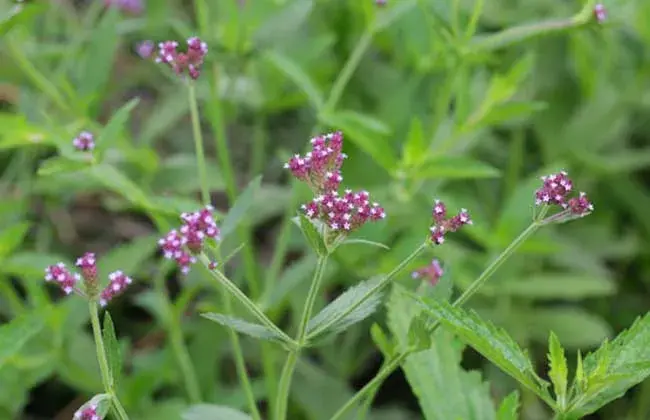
[(555, 191), (87, 264), (190, 61), (441, 224), (320, 168), (87, 413), (180, 245), (84, 142), (431, 272)]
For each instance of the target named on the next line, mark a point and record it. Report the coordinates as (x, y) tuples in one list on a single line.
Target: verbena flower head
[(189, 61), (181, 244), (442, 225), (87, 413), (600, 13), (431, 272), (87, 263), (134, 7), (556, 191), (145, 49), (84, 142), (344, 213), (320, 168)]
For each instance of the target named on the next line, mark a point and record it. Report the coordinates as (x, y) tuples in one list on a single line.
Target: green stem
[(375, 289), (198, 144), (292, 358), (464, 297), (107, 378), (374, 383), (244, 300)]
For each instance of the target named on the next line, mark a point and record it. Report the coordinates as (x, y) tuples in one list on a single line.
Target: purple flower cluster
[(87, 264), (320, 168), (600, 13), (431, 272), (441, 224), (84, 142), (87, 413), (190, 61), (180, 245), (555, 191)]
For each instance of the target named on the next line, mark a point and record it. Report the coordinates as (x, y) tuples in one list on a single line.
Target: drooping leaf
[(244, 327), (112, 346), (509, 406), (558, 371), (14, 334), (443, 388), (314, 238), (492, 342), (352, 306), (297, 76), (615, 367), (109, 135), (238, 210), (213, 412)]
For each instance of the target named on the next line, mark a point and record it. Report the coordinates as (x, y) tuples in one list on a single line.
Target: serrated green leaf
[(297, 76), (314, 238), (108, 137), (238, 210), (444, 390), (112, 346), (454, 167), (614, 368), (558, 371), (12, 237), (14, 334), (213, 412), (492, 342), (244, 327), (509, 406), (352, 306), (558, 287), (61, 164), (415, 146)]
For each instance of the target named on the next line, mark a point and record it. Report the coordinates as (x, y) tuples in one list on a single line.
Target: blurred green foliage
[(430, 106)]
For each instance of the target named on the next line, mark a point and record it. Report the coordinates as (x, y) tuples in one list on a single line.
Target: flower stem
[(376, 289), (198, 144), (107, 377), (464, 297), (292, 358)]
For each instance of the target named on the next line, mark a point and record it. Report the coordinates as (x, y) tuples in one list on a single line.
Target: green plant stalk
[(292, 358), (198, 143), (107, 378), (376, 289), (244, 300), (176, 338), (464, 297)]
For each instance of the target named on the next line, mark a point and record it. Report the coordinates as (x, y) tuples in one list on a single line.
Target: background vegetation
[(481, 122)]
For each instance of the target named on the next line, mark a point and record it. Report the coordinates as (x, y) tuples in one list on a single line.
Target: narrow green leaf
[(580, 379), (382, 341), (444, 389), (351, 307), (415, 147), (237, 212), (509, 406), (492, 342), (14, 334), (119, 183), (61, 164), (109, 135), (297, 76), (283, 23), (12, 237), (365, 242), (558, 371), (366, 133), (22, 14), (112, 346), (509, 111), (614, 368), (314, 238), (455, 167), (244, 327), (213, 412)]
